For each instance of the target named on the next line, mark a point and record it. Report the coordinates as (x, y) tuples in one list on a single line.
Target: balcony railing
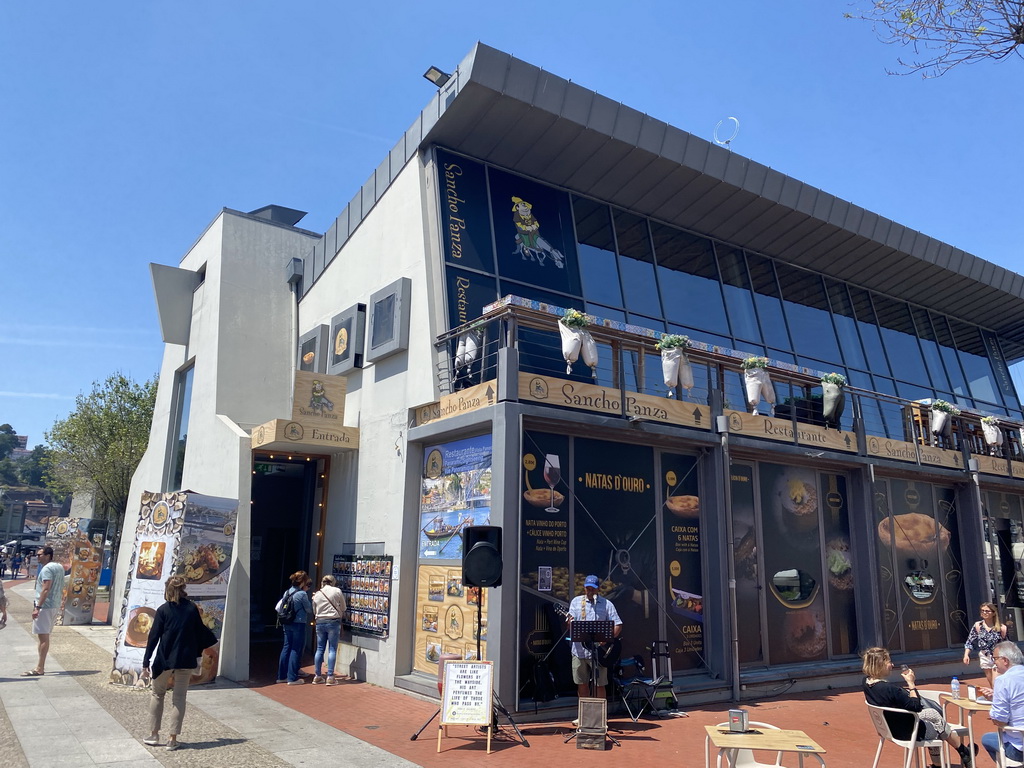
[(629, 363)]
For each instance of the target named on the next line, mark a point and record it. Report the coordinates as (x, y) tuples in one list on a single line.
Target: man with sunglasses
[(1007, 694)]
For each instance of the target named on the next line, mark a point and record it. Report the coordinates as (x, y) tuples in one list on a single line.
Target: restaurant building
[(370, 394)]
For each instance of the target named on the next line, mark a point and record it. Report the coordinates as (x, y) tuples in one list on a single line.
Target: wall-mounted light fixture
[(437, 76)]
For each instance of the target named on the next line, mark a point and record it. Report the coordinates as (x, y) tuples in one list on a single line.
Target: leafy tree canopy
[(8, 440), (945, 33), (100, 443)]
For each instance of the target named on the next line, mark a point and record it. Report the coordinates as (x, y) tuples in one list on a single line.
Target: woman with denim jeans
[(328, 608), (295, 631)]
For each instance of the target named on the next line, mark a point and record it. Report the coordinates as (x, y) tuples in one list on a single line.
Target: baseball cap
[(592, 581)]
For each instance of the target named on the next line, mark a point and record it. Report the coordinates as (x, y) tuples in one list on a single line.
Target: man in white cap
[(590, 606)]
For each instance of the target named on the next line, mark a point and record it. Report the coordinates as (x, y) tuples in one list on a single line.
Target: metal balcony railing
[(629, 362)]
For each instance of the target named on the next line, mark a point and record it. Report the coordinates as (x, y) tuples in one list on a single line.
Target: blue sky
[(126, 126)]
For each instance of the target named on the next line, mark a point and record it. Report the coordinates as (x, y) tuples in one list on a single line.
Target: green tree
[(8, 440), (100, 443), (945, 33), (32, 468)]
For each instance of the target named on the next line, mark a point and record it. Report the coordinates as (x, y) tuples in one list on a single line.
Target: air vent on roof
[(279, 214)]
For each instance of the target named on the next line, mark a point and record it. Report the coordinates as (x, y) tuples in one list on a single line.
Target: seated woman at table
[(880, 692)]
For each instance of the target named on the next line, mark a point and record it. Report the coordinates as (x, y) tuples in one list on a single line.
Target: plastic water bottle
[(954, 688)]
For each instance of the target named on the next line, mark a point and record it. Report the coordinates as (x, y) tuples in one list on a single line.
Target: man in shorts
[(49, 590), (590, 606)]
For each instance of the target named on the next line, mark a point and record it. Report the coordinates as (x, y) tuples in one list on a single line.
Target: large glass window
[(688, 276), (846, 324), (900, 340), (869, 334), (932, 357), (976, 365), (768, 302), (807, 308), (738, 300), (636, 264), (179, 434), (596, 246), (947, 349)]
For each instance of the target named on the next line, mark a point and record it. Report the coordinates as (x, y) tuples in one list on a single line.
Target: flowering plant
[(990, 420), (573, 318), (834, 378), (942, 405), (672, 341), (754, 362)]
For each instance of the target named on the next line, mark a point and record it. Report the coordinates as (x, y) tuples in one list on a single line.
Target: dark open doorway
[(285, 500)]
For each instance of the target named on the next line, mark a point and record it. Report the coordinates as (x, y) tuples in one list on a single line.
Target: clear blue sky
[(125, 126)]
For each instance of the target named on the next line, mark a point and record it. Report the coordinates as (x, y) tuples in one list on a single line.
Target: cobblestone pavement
[(73, 717)]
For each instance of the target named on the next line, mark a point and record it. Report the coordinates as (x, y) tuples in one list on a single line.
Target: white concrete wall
[(367, 493), (242, 341)]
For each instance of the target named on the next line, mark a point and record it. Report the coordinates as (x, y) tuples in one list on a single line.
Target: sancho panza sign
[(318, 418)]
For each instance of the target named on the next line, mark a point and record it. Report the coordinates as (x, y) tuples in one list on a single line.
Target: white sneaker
[(575, 723), (298, 681), (318, 680)]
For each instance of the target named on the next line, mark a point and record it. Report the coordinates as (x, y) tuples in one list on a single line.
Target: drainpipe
[(734, 635)]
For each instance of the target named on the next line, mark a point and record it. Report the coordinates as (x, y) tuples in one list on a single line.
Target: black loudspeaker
[(481, 556)]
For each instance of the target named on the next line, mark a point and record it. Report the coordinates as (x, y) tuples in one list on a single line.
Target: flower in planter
[(750, 363), (941, 411), (942, 405), (757, 383), (576, 340), (573, 318), (992, 433), (992, 421), (834, 378), (672, 341), (675, 365), (834, 398)]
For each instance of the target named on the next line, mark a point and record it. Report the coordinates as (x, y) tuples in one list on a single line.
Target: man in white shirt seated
[(1007, 695)]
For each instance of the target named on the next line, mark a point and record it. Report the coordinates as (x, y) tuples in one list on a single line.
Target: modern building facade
[(370, 394)]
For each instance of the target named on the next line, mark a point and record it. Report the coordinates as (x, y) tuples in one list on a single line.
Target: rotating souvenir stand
[(590, 633)]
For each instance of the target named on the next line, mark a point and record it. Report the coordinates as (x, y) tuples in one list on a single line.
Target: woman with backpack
[(294, 602), (328, 608)]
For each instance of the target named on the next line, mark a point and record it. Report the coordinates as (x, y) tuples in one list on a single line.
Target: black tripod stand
[(590, 633)]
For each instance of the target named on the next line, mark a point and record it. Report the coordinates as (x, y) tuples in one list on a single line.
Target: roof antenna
[(718, 131)]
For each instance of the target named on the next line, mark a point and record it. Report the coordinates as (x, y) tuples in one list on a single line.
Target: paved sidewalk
[(73, 717)]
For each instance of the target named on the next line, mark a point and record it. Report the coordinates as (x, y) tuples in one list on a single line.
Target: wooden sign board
[(992, 465), (467, 400), (940, 457), (1017, 470), (285, 435), (466, 696), (885, 448), (781, 430), (608, 400), (319, 399)]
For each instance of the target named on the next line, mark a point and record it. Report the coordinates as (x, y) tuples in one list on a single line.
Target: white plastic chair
[(743, 758), (1001, 759), (913, 747)]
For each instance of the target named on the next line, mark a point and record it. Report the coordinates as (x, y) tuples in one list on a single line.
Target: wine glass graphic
[(552, 474)]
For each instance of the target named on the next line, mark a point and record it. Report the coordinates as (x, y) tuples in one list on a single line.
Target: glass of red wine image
[(552, 474)]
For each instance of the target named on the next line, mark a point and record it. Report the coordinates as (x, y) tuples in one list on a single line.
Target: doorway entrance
[(286, 497)]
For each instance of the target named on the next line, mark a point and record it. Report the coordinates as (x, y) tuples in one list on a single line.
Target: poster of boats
[(455, 494)]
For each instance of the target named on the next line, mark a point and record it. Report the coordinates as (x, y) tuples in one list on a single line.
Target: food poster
[(365, 581), (915, 540), (545, 665), (615, 534), (953, 593), (78, 546), (748, 585), (838, 563), (794, 599), (893, 639), (183, 533), (683, 580), (161, 516), (204, 559), (455, 494), (446, 617)]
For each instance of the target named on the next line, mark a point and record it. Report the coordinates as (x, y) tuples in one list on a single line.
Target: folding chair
[(636, 691), (914, 745), (744, 758)]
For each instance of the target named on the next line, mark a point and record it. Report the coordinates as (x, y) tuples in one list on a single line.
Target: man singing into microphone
[(590, 607)]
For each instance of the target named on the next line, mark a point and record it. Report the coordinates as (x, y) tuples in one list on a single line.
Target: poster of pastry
[(178, 533)]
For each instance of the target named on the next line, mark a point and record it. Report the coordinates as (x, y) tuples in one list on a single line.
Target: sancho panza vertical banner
[(465, 221)]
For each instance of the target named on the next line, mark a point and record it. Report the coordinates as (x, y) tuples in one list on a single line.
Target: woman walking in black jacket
[(178, 638)]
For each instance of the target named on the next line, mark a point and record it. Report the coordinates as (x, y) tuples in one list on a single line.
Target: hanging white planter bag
[(993, 434), (685, 372), (572, 340), (940, 420), (670, 366), (589, 351), (752, 383)]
